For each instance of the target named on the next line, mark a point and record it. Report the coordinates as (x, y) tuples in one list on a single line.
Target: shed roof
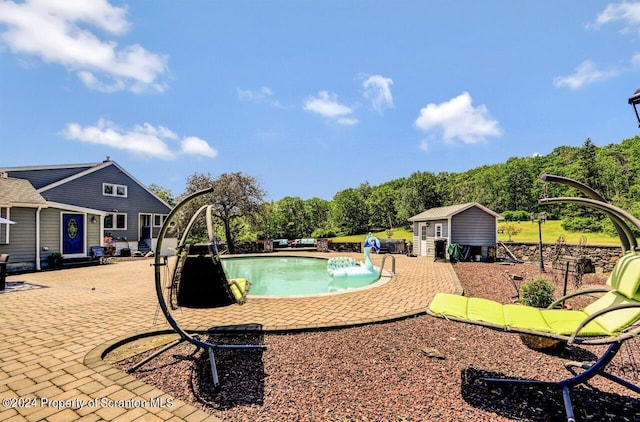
[(441, 213), (20, 193)]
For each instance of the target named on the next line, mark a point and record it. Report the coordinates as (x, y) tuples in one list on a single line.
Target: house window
[(110, 189), (116, 221), (438, 230), (4, 228), (159, 219)]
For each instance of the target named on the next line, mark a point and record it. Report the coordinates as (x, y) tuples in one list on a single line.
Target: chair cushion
[(449, 305), (513, 317), (625, 277), (566, 322), (485, 310), (239, 288), (614, 321), (525, 317)]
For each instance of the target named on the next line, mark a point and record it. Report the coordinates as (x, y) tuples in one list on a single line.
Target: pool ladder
[(393, 264)]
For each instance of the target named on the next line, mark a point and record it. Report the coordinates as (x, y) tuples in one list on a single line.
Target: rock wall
[(603, 257)]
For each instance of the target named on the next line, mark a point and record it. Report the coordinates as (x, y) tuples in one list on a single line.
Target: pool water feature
[(288, 276)]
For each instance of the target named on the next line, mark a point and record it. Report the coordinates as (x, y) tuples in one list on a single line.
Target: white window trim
[(7, 227), (114, 189), (115, 219), (163, 217), (438, 228)]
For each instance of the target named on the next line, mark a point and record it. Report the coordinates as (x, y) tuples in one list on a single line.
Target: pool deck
[(54, 338)]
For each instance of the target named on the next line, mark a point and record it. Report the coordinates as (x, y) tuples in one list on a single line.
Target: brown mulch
[(416, 369)]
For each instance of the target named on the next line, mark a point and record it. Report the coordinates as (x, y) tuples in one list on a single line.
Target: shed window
[(115, 221), (110, 189), (423, 234), (438, 230)]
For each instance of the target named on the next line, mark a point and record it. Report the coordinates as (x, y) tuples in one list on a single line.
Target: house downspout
[(38, 267)]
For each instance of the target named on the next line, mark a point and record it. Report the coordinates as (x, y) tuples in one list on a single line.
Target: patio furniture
[(197, 281), (4, 258), (610, 320)]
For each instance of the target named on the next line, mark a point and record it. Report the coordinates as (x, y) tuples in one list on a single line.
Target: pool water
[(286, 276)]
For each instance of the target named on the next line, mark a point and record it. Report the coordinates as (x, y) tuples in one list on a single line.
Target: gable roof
[(19, 193), (70, 172), (443, 213)]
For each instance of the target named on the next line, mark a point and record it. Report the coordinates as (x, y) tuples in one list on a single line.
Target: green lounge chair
[(611, 319)]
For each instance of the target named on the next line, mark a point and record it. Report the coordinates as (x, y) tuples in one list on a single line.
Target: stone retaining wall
[(603, 257)]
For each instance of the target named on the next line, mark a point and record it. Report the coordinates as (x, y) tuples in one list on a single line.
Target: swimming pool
[(288, 276)]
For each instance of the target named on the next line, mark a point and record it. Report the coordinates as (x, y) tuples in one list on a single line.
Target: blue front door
[(73, 234)]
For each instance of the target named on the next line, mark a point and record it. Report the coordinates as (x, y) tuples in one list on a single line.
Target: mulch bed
[(416, 369)]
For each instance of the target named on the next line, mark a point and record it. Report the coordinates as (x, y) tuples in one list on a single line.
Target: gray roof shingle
[(19, 192)]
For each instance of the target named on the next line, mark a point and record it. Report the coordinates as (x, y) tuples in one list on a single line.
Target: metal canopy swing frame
[(629, 243), (185, 335)]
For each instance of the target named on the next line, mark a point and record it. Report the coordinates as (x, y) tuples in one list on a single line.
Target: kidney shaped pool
[(289, 276)]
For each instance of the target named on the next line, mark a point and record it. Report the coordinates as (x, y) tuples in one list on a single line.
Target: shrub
[(55, 259), (581, 224), (518, 215), (537, 293), (323, 232)]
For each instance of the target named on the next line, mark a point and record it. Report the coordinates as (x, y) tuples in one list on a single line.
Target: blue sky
[(311, 97)]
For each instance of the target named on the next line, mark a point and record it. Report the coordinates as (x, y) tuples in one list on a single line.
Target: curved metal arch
[(184, 335), (626, 237)]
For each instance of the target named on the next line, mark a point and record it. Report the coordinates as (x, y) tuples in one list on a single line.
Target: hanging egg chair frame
[(160, 261)]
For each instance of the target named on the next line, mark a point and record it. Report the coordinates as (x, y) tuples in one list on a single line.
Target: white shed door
[(423, 240)]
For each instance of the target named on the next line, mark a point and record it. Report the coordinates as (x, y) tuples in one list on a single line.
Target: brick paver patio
[(53, 338)]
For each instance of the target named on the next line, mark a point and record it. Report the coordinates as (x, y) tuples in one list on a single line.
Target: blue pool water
[(287, 275)]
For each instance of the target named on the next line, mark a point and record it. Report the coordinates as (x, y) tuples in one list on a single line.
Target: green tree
[(163, 193), (349, 212), (235, 196)]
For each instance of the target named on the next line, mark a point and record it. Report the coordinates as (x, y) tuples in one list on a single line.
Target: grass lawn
[(551, 231), (398, 233)]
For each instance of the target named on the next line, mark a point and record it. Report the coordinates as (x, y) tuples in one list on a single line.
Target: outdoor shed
[(469, 224)]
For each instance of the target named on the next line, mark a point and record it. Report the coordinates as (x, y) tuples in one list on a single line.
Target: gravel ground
[(416, 369)]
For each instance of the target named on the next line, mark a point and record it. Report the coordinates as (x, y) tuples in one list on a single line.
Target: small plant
[(511, 230), (55, 259), (537, 293)]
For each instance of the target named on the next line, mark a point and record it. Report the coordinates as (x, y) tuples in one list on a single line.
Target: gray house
[(69, 208), (465, 224)]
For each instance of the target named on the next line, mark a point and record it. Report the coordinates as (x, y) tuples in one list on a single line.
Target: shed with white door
[(469, 224)]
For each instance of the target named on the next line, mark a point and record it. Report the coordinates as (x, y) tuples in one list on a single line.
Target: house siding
[(22, 236), (138, 199), (473, 227), (431, 233)]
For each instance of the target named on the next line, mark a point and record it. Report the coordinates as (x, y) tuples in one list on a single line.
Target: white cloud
[(424, 145), (197, 146), (585, 74), (263, 96), (347, 121), (458, 119), (328, 106), (378, 91), (142, 140), (629, 13), (58, 32)]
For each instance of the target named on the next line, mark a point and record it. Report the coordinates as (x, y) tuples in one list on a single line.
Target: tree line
[(512, 188)]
